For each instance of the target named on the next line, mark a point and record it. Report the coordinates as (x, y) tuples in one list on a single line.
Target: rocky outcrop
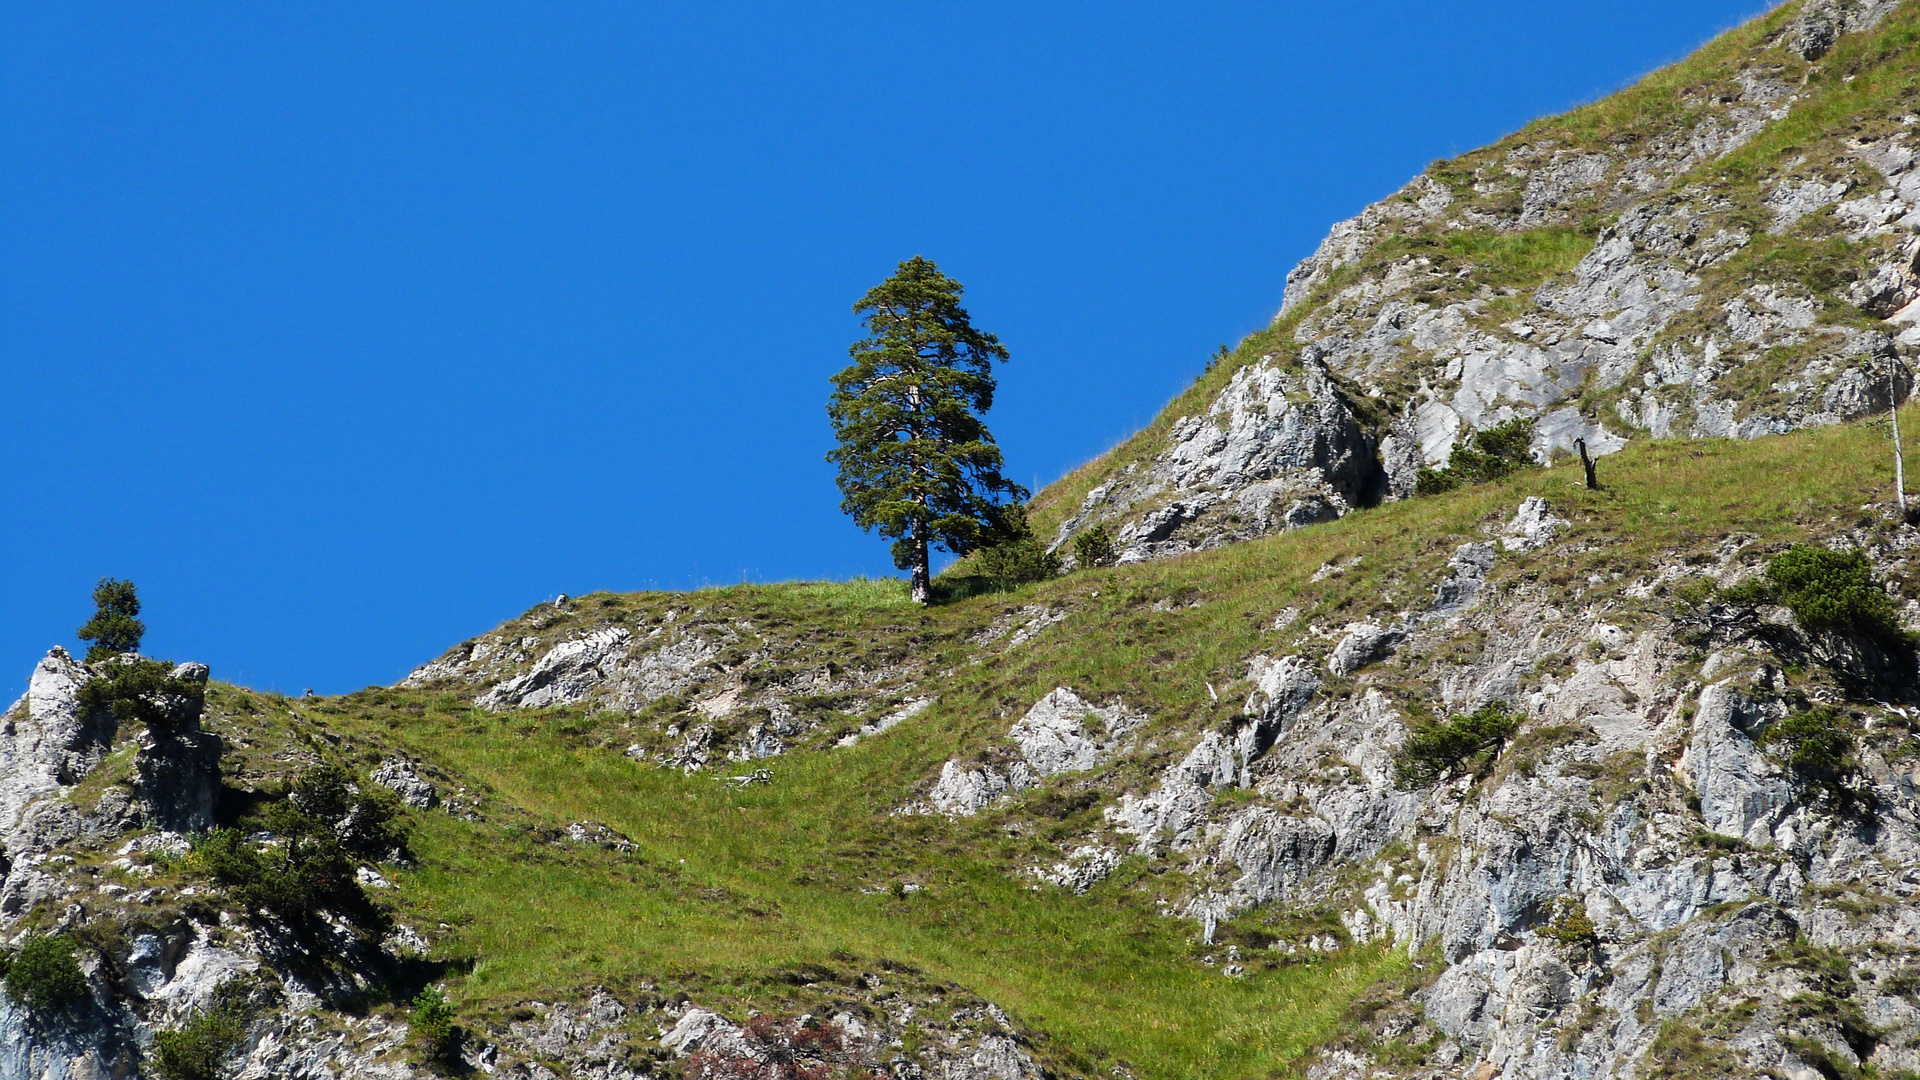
[(1676, 322), (1280, 447), (1060, 734), (177, 767)]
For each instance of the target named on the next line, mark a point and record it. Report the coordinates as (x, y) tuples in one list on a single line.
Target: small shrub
[(145, 692), (1488, 454), (1012, 556), (1833, 591), (195, 1049), (1570, 924), (113, 628), (1818, 746), (1094, 547), (310, 874), (44, 975), (433, 1023), (1436, 752)]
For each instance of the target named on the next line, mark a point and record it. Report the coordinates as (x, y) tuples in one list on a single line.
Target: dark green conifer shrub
[(1829, 591), (1012, 556), (196, 1049), (44, 976), (1818, 746), (1094, 547), (113, 628), (1440, 751), (1489, 454), (141, 691), (433, 1024)]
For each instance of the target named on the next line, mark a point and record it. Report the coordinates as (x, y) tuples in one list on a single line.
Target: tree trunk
[(1593, 482), (922, 567)]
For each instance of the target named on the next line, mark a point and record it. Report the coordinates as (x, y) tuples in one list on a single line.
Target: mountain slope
[(1233, 814), (1725, 249)]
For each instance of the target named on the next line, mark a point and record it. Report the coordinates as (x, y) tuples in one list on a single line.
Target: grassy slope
[(1856, 90), (731, 888)]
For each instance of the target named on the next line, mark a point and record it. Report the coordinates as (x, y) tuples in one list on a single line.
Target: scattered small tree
[(916, 462), (433, 1024), (44, 976), (1570, 924), (196, 1049), (1436, 752), (1010, 555), (1488, 454), (113, 628), (1094, 547)]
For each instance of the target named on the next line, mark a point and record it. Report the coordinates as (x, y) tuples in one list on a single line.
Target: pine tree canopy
[(113, 628), (916, 461)]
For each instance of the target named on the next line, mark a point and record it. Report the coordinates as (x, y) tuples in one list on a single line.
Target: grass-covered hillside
[(795, 895)]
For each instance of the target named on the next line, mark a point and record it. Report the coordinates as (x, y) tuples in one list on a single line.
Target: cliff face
[(1727, 249)]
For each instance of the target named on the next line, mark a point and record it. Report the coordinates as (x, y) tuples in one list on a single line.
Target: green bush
[(1818, 746), (320, 824), (433, 1023), (195, 1049), (113, 628), (1830, 591), (1436, 752), (140, 691), (1489, 454), (44, 976), (1094, 547), (1012, 556)]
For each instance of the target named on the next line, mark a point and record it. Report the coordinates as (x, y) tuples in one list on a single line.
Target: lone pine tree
[(113, 628), (916, 461)]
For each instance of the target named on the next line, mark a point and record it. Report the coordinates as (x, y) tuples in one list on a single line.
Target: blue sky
[(348, 331)]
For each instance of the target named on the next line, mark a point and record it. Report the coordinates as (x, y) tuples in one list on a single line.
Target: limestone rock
[(398, 775)]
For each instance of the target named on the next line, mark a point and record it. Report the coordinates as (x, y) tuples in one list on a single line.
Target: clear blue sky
[(348, 331)]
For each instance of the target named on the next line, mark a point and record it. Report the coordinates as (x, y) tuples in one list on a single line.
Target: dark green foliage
[(320, 826), (1830, 591), (1489, 454), (44, 975), (195, 1049), (1094, 547), (1011, 555), (915, 460), (113, 628), (1818, 746), (141, 691), (433, 1023), (1436, 752)]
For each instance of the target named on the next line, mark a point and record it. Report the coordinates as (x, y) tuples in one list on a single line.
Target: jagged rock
[(45, 741), (1365, 643), (1053, 737), (698, 1029), (1082, 869), (1274, 853), (398, 775), (1533, 526), (1742, 793), (564, 675), (177, 772)]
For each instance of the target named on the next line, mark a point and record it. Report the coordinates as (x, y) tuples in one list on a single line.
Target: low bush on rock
[(196, 1049), (1829, 592), (1570, 924), (1488, 454), (1440, 751), (146, 692), (1818, 747), (309, 868), (44, 976)]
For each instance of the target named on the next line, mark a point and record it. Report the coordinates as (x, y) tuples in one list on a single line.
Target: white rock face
[(1061, 733), (48, 744), (1742, 793), (397, 775), (566, 674), (1533, 526)]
